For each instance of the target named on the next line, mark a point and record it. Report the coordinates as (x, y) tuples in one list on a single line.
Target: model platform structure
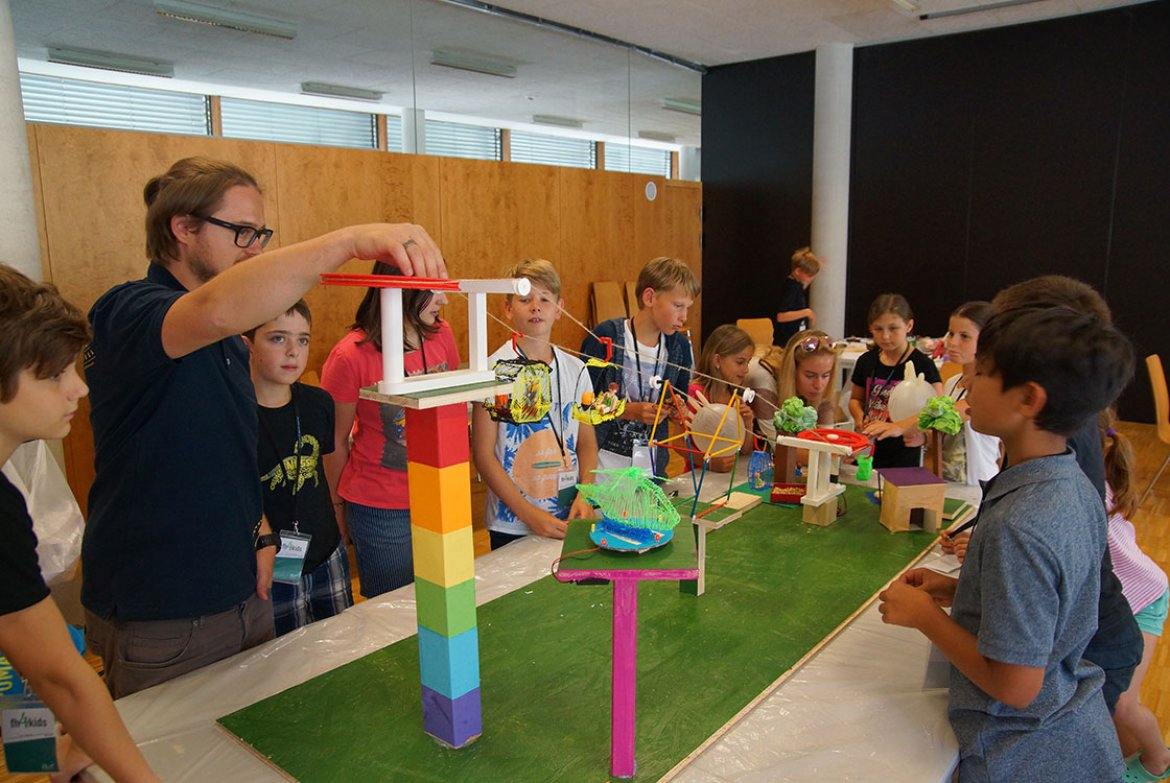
[(438, 473), (824, 445)]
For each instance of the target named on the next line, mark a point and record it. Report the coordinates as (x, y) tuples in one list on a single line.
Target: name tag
[(30, 736), (290, 560)]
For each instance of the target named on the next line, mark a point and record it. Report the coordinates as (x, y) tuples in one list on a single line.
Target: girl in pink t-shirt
[(368, 473)]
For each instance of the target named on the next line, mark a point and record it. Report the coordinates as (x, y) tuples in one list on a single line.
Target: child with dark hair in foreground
[(1024, 704), (41, 336)]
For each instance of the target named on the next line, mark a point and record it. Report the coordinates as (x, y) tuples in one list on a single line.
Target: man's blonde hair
[(539, 272), (664, 273)]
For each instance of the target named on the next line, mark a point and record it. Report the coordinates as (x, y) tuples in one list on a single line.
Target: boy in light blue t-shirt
[(1024, 704), (532, 469)]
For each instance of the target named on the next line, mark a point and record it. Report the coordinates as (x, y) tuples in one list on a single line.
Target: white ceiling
[(384, 45)]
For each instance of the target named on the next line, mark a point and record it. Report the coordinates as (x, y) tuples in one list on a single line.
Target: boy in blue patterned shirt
[(532, 469), (1024, 704)]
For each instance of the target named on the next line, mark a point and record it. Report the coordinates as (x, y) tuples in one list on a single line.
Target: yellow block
[(445, 559), (440, 498)]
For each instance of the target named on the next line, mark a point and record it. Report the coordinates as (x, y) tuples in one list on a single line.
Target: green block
[(448, 611)]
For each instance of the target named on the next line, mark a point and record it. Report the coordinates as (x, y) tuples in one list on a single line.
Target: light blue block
[(449, 666)]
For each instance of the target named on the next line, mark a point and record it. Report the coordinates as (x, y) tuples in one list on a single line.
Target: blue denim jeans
[(381, 546)]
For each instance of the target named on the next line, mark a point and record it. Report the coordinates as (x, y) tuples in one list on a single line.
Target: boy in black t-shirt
[(794, 315), (41, 336), (296, 432)]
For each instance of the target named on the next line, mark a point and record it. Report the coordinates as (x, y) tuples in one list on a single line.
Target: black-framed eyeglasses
[(245, 235)]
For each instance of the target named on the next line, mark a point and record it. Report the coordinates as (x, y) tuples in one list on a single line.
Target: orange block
[(440, 498)]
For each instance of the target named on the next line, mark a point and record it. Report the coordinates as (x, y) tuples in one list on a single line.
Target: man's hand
[(410, 247), (265, 564)]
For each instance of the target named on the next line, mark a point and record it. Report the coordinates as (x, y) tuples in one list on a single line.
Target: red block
[(437, 436)]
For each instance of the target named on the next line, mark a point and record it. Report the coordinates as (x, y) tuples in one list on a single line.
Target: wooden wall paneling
[(597, 242), (494, 214), (90, 247), (321, 189)]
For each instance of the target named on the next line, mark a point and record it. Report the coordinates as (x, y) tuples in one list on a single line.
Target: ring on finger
[(409, 243)]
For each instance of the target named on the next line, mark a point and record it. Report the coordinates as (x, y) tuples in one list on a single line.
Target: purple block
[(454, 722), (909, 477)]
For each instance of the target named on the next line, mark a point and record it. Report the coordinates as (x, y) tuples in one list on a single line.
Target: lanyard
[(889, 376), (296, 450), (638, 360)]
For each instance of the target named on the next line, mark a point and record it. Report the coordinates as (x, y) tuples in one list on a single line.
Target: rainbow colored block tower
[(444, 573)]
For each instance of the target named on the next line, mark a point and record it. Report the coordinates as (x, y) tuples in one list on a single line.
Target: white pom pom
[(655, 381), (748, 395)]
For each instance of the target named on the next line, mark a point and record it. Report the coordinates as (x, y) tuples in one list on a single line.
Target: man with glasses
[(177, 559)]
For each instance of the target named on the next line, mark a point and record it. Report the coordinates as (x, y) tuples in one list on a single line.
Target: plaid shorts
[(323, 592)]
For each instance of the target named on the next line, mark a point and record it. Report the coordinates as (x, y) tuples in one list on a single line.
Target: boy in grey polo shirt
[(1024, 704)]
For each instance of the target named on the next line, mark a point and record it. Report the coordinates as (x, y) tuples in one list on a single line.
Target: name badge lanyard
[(296, 450)]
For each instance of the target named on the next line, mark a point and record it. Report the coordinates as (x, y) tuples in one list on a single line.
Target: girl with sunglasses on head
[(368, 479), (806, 368), (898, 444), (723, 364), (968, 456)]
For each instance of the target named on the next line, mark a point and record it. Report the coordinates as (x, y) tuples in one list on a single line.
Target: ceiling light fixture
[(110, 61), (222, 17), (927, 15), (475, 63), (684, 105), (651, 135), (340, 91), (560, 122)]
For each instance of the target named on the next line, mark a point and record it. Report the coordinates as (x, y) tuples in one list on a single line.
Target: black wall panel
[(757, 182)]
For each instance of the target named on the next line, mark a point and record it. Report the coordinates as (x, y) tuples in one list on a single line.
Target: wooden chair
[(605, 302), (1161, 413), (759, 328), (632, 299)]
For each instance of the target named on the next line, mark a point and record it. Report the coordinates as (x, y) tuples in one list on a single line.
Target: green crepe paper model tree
[(938, 417), (791, 418), (939, 414)]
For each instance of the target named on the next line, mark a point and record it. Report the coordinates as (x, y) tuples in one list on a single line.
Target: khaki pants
[(138, 655)]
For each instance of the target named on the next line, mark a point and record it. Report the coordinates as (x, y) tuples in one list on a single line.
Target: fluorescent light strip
[(560, 122), (974, 9), (474, 63), (222, 17), (684, 105), (110, 61), (340, 91)]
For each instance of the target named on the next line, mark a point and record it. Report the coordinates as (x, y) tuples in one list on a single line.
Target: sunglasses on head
[(815, 342)]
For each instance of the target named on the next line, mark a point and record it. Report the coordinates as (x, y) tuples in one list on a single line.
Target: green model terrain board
[(775, 588)]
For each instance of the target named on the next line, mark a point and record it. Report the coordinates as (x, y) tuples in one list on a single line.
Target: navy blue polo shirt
[(176, 496)]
